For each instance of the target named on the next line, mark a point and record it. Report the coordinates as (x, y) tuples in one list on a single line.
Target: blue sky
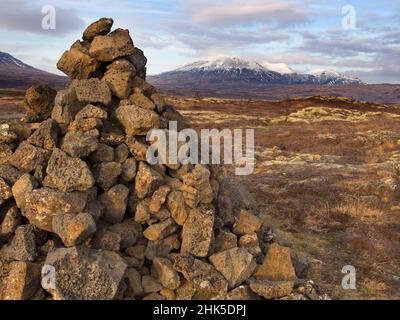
[(305, 34)]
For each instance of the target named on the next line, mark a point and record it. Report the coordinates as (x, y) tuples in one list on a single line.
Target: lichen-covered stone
[(167, 276), (99, 27), (236, 265), (147, 180), (74, 229), (5, 191), (41, 205), (158, 198), (66, 106), (97, 275), (11, 220), (106, 174), (203, 280), (247, 223), (79, 144), (28, 157), (77, 64), (46, 136), (23, 246), (159, 231), (22, 282), (277, 265), (176, 205), (91, 111), (271, 289), (137, 121), (67, 174), (115, 201), (198, 233), (112, 46), (119, 76), (39, 101)]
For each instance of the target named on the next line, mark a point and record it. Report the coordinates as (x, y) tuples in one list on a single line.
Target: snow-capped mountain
[(226, 69), (332, 77), (18, 75), (233, 69), (9, 60), (281, 68), (223, 64)]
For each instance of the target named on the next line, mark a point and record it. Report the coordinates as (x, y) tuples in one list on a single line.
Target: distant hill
[(15, 74)]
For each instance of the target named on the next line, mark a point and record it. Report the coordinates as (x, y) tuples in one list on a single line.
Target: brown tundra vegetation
[(327, 181)]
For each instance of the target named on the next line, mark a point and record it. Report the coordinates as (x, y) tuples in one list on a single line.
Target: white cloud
[(279, 13)]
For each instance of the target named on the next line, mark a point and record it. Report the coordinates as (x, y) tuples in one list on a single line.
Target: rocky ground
[(83, 215), (327, 180)]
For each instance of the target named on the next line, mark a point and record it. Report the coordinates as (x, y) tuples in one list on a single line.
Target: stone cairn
[(83, 216)]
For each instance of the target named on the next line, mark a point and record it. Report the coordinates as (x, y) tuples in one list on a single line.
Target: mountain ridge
[(240, 70), (15, 74)]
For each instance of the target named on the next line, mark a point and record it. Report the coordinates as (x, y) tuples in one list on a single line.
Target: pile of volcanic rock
[(84, 216)]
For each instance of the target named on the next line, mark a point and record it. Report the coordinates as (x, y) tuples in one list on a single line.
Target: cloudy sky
[(305, 34)]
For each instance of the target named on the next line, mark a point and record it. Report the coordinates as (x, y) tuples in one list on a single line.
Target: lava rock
[(100, 27), (74, 229), (271, 289), (46, 136), (77, 64), (119, 76), (97, 275), (247, 223), (39, 101), (198, 233), (28, 157), (79, 144), (115, 201), (67, 174), (11, 220), (92, 91), (106, 174), (41, 205), (147, 180), (167, 276), (22, 282), (159, 231), (277, 265), (112, 46), (176, 205), (137, 121), (236, 265)]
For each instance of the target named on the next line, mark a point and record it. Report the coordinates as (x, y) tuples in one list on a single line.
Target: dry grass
[(11, 104)]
